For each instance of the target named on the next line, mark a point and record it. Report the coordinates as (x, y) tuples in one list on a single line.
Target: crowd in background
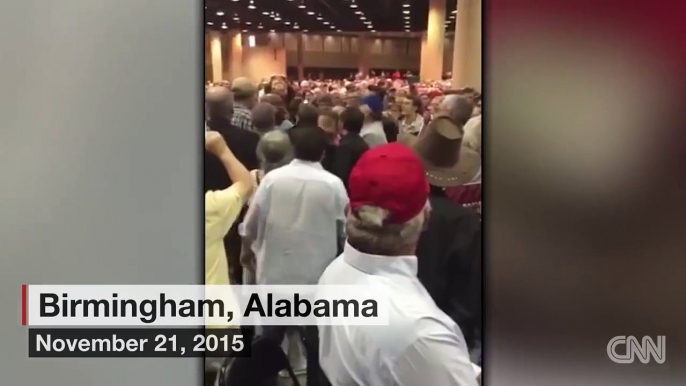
[(369, 180)]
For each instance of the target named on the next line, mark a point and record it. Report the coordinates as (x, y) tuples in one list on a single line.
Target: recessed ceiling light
[(302, 6), (373, 30), (296, 27), (248, 23), (406, 12), (320, 18), (455, 11), (338, 30), (326, 23), (407, 17), (220, 13), (277, 19), (332, 27), (260, 26), (363, 18), (406, 5), (310, 13), (236, 18), (224, 27), (210, 23), (367, 22), (245, 30), (287, 22), (358, 12), (271, 30), (235, 1), (353, 5), (251, 6), (265, 13), (452, 16)]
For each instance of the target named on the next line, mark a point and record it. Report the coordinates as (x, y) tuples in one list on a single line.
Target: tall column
[(431, 67), (216, 55), (301, 64), (422, 54), (236, 54), (362, 54), (467, 52)]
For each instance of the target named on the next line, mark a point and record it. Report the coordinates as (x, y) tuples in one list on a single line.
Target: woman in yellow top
[(222, 207)]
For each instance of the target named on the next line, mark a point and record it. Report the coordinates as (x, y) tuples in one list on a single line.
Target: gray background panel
[(99, 165)]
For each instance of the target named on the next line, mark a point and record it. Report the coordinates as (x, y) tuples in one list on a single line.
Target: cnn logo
[(634, 348)]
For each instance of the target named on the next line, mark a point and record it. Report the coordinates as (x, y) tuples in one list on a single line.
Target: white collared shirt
[(472, 134), (414, 127), (294, 222), (420, 346), (373, 134)]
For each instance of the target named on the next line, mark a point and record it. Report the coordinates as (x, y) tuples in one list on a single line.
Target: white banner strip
[(212, 306)]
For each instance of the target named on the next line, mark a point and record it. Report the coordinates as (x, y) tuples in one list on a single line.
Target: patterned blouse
[(413, 127)]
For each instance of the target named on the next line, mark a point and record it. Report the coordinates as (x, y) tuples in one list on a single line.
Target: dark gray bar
[(137, 342)]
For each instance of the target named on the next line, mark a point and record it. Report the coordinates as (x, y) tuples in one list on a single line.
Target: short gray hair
[(457, 107), (274, 150), (367, 231)]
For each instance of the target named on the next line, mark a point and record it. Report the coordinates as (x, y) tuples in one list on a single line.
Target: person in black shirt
[(243, 144), (351, 145), (328, 121), (390, 128), (449, 251)]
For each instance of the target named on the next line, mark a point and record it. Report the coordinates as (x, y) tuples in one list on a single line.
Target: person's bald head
[(458, 107), (264, 117), (218, 103)]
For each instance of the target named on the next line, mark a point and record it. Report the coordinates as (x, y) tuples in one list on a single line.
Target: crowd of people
[(360, 181)]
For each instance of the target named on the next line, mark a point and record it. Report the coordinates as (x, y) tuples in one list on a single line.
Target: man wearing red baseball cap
[(421, 345)]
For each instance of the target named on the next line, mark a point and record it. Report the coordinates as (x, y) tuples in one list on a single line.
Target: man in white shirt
[(295, 226), (421, 345), (372, 131), (295, 220)]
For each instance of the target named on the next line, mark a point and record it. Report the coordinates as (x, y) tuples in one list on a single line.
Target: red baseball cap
[(390, 177)]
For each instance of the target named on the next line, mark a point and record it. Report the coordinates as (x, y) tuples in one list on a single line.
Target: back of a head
[(264, 117), (276, 101), (218, 103), (324, 101), (388, 201), (273, 99), (457, 107), (274, 150), (328, 120), (243, 89), (307, 115), (353, 120), (309, 142)]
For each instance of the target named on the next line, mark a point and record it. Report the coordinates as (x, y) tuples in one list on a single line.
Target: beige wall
[(260, 62), (328, 51), (337, 51)]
